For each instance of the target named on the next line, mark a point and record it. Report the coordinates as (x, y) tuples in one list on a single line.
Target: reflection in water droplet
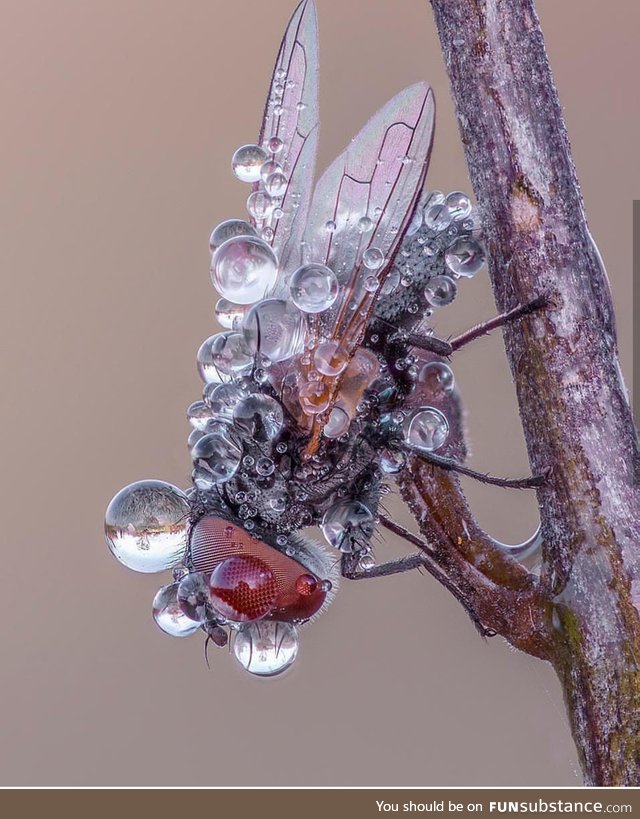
[(314, 288), (247, 161), (229, 229), (458, 205), (427, 429), (267, 647), (440, 291), (348, 526), (243, 269), (216, 457), (146, 525), (168, 614), (259, 417), (465, 257), (373, 258), (437, 377), (274, 328)]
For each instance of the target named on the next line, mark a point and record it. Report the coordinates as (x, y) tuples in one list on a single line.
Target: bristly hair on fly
[(310, 399)]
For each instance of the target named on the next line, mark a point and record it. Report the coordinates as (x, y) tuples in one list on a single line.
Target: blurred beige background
[(119, 119)]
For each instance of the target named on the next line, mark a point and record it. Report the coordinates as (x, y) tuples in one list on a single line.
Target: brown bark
[(583, 613)]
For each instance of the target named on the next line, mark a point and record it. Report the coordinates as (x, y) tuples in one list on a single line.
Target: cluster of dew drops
[(147, 523)]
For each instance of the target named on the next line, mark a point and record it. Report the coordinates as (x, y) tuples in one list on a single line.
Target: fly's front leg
[(445, 348), (423, 559)]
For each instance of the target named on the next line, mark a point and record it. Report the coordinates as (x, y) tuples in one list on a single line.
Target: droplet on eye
[(306, 584), (243, 588)]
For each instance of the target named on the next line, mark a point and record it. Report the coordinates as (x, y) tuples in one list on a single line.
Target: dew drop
[(229, 229), (168, 614), (458, 205), (275, 329), (465, 257), (260, 205), (373, 258), (259, 417), (314, 288), (146, 525), (247, 161), (243, 588), (427, 429), (348, 526), (440, 291), (216, 458), (266, 648), (437, 377), (243, 269)]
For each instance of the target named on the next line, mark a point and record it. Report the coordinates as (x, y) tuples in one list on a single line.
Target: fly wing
[(366, 197), (291, 115), (361, 207)]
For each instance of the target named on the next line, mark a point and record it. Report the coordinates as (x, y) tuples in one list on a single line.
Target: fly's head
[(308, 389)]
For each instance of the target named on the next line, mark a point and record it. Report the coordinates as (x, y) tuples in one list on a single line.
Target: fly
[(324, 381)]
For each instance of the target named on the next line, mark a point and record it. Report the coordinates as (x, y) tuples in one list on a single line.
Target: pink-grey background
[(119, 119)]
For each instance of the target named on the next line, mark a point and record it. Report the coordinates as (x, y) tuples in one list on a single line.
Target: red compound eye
[(306, 584), (243, 588)]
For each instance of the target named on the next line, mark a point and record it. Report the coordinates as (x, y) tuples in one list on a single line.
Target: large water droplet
[(266, 648), (207, 363), (216, 457), (465, 257), (146, 525), (259, 417), (440, 291), (168, 614), (427, 429), (274, 328), (314, 288), (243, 269), (247, 161), (243, 588), (228, 230), (348, 526)]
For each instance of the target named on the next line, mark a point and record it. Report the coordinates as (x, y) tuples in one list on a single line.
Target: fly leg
[(418, 560), (450, 465), (444, 347)]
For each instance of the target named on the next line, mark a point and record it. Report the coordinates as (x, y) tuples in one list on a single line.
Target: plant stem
[(574, 407)]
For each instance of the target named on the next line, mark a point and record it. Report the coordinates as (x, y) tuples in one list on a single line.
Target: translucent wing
[(378, 178), (291, 116), (360, 210)]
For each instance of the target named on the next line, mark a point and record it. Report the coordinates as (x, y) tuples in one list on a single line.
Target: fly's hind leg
[(444, 347), (449, 465)]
